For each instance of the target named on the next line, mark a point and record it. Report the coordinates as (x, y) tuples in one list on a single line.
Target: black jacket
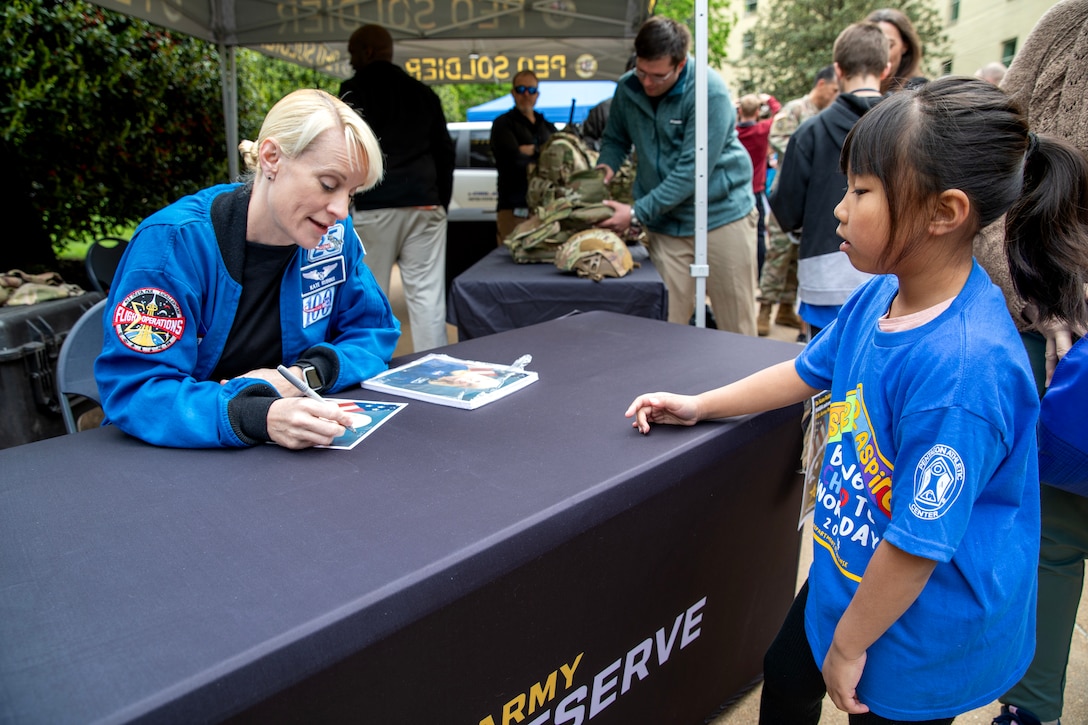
[(809, 184), (407, 118), (508, 131)]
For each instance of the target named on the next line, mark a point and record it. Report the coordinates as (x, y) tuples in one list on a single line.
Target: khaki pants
[(414, 239), (731, 285)]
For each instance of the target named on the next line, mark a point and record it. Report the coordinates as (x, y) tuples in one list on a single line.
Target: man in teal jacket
[(653, 111)]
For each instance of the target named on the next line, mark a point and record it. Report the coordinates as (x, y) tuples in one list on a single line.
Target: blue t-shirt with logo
[(931, 446)]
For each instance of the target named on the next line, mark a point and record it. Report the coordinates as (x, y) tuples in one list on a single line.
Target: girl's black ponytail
[(1046, 231)]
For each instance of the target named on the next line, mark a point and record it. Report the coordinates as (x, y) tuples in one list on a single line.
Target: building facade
[(978, 31)]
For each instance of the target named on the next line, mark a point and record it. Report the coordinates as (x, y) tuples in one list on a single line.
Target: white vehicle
[(475, 180)]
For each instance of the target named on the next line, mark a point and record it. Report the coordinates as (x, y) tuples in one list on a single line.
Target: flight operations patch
[(148, 320)]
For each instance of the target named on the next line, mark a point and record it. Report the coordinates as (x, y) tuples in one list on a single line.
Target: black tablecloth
[(444, 566), (497, 294)]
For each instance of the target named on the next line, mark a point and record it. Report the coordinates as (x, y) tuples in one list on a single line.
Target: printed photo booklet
[(367, 415), (446, 380), (817, 428)]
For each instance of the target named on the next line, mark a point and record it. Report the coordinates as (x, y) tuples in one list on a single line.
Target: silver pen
[(301, 385)]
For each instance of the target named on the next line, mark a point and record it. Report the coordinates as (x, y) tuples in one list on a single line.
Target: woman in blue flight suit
[(220, 287)]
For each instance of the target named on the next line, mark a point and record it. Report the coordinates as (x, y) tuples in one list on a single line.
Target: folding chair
[(75, 364), (102, 259)]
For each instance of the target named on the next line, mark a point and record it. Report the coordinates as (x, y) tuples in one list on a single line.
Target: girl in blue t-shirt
[(920, 603)]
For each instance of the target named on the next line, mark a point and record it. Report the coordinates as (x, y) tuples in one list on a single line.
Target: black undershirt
[(255, 339)]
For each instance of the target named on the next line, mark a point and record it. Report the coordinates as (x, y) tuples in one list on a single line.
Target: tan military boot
[(787, 317), (763, 322)]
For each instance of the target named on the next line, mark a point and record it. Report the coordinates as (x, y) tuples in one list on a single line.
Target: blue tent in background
[(554, 102)]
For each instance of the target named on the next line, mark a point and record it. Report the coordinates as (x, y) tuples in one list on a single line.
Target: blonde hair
[(301, 116), (749, 105)]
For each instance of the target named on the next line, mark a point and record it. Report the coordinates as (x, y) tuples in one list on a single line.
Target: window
[(750, 6), (479, 155), (954, 11), (748, 44), (946, 67), (1008, 51)]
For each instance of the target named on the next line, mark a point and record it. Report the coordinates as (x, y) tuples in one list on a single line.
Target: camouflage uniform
[(778, 279), (19, 288)]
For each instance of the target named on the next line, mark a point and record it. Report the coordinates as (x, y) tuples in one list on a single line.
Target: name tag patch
[(324, 274)]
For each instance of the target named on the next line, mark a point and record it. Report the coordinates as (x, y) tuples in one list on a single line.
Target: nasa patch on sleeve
[(938, 481), (148, 320)]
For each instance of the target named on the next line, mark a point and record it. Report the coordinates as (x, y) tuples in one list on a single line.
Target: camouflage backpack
[(561, 157), (595, 253), (622, 185), (537, 238)]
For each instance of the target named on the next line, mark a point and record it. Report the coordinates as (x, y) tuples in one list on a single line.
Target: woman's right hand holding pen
[(301, 422)]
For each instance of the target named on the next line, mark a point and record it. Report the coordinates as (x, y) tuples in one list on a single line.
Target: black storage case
[(30, 341)]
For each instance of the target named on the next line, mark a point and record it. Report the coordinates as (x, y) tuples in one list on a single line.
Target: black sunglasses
[(531, 90)]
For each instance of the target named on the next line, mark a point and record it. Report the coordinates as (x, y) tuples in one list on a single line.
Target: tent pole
[(700, 270), (228, 70)]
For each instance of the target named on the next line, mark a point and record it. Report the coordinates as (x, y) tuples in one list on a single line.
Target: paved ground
[(746, 710)]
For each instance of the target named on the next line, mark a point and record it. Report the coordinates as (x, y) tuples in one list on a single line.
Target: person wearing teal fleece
[(653, 111)]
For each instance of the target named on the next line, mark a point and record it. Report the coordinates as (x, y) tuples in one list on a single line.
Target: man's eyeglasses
[(531, 90), (654, 77)]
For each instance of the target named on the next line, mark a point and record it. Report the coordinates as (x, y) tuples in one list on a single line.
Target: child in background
[(920, 601), (755, 116)]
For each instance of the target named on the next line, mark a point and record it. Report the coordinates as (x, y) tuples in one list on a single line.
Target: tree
[(794, 38), (719, 23), (458, 98), (104, 118), (262, 81)]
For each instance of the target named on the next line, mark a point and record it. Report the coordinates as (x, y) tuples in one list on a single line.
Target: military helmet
[(594, 253)]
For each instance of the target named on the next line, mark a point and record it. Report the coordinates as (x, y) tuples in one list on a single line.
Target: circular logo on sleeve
[(148, 320), (938, 481)]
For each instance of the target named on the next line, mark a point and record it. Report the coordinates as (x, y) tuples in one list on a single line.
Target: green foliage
[(111, 118), (106, 116), (262, 81), (794, 38), (458, 98), (720, 22)]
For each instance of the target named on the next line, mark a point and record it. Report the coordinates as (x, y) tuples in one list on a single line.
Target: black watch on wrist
[(312, 377)]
